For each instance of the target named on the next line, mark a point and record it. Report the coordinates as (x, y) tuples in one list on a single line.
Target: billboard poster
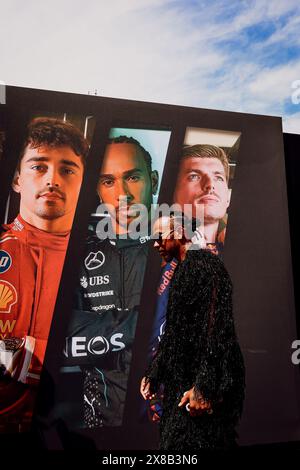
[(105, 292), (202, 193), (106, 305), (40, 208), (205, 180)]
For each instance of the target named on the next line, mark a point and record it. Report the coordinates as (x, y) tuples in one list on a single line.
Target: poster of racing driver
[(102, 330), (205, 178), (33, 244), (203, 190)]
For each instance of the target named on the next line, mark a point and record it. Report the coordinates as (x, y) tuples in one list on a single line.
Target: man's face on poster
[(49, 181), (167, 240), (203, 181), (126, 180)]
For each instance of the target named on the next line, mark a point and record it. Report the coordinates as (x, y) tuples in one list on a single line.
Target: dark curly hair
[(54, 133), (123, 139)]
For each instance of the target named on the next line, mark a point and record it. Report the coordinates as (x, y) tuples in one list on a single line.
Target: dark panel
[(257, 254)]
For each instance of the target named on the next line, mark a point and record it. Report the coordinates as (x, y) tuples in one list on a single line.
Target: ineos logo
[(94, 260), (79, 346), (93, 347)]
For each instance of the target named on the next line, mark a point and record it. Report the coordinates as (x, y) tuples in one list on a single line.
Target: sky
[(230, 55)]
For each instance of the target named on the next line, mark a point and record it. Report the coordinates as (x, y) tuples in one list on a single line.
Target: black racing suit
[(102, 329)]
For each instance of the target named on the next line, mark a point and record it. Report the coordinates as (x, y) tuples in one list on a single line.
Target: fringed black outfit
[(199, 348)]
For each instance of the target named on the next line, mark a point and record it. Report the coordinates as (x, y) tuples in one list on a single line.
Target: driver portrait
[(33, 247)]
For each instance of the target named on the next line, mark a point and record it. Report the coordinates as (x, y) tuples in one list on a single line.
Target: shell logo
[(8, 296)]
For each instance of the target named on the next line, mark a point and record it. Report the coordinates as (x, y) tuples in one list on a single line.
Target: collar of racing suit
[(38, 238)]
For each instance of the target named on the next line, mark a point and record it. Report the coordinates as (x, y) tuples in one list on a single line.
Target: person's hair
[(207, 151), (123, 139), (54, 133)]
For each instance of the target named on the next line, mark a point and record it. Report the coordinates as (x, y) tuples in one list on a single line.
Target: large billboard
[(225, 170)]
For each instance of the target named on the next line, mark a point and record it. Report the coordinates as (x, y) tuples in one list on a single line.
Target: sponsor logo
[(167, 277), (104, 293), (79, 346), (6, 327), (83, 282), (145, 239), (103, 307), (94, 281), (94, 260), (161, 330), (17, 226), (5, 261), (8, 296)]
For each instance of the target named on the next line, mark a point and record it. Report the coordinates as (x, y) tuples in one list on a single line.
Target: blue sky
[(231, 55)]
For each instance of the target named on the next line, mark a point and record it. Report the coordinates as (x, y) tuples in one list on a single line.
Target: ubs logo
[(94, 281)]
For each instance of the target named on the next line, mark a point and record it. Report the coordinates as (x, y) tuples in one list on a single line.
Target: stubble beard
[(50, 212)]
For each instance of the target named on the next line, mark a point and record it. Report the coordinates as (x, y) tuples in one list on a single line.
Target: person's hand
[(198, 238), (195, 407), (145, 389)]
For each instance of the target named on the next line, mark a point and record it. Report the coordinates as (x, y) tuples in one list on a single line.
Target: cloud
[(275, 85), (288, 34), (291, 123), (240, 56)]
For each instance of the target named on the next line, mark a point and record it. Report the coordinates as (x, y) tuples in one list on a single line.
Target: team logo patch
[(8, 296), (5, 261), (94, 260), (83, 282), (17, 226)]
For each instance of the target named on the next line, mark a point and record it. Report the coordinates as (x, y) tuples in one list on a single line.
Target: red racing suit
[(31, 262)]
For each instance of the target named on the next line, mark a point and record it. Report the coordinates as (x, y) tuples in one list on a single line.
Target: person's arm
[(221, 368), (154, 375), (220, 376)]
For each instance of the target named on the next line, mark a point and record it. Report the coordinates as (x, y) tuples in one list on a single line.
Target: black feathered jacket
[(200, 349)]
